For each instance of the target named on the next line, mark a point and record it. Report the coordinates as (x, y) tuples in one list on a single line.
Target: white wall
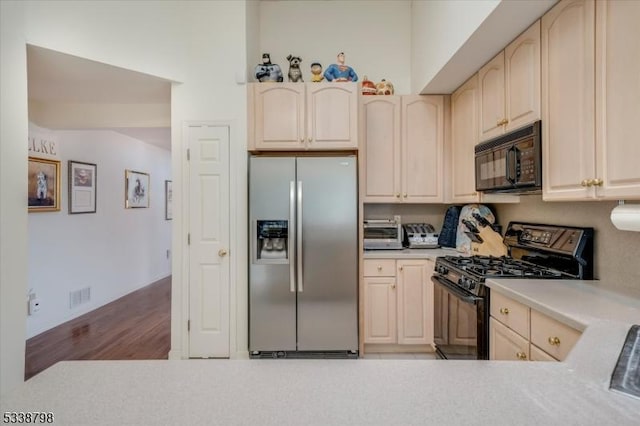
[(115, 250), (198, 44), (375, 37), (438, 29)]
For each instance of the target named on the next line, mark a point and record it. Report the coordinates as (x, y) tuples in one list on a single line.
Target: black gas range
[(535, 251)]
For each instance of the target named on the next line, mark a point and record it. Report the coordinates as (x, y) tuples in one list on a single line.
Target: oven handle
[(456, 291)]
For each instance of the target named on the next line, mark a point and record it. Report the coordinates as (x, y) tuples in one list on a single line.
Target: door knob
[(222, 252)]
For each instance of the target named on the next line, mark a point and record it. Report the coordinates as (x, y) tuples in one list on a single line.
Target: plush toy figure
[(268, 71), (316, 72), (340, 71), (295, 75)]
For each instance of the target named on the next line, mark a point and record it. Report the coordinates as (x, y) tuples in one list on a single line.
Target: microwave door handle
[(510, 165)]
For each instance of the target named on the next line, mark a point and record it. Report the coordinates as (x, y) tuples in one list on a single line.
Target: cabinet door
[(464, 134), (332, 116), (422, 149), (568, 34), (415, 302), (522, 79), (505, 344), (380, 310), (279, 116), (491, 94), (618, 98), (537, 354), (440, 315), (380, 153)]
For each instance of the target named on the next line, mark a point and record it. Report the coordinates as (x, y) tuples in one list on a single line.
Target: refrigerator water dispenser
[(272, 240)]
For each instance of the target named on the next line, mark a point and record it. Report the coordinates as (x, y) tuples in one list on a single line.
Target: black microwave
[(510, 163)]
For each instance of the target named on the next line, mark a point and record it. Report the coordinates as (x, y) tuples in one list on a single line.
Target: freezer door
[(327, 290), (272, 296)]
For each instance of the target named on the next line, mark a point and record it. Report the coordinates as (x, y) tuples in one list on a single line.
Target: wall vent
[(79, 297)]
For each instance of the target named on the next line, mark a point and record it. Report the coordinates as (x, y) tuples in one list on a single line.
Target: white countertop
[(411, 253), (365, 391)]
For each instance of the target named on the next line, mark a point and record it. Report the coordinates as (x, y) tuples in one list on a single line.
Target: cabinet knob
[(521, 355), (222, 252), (310, 140), (398, 195), (393, 286), (588, 182), (504, 311), (379, 268), (597, 182), (401, 268), (404, 195), (554, 341), (301, 140)]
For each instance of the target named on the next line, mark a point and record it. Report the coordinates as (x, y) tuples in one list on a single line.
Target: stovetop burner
[(490, 266)]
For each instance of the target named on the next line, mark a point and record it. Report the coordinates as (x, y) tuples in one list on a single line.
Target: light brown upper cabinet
[(591, 100), (464, 137), (401, 157), (303, 116), (509, 86)]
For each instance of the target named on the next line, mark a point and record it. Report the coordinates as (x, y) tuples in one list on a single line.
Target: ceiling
[(58, 78)]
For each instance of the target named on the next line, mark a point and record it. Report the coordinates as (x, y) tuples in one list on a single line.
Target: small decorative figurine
[(266, 71), (368, 87), (295, 75), (316, 72), (340, 71), (384, 88)]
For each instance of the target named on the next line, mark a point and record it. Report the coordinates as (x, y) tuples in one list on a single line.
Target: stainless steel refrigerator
[(303, 274)]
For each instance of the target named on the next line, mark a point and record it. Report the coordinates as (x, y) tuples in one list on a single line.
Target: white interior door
[(208, 193)]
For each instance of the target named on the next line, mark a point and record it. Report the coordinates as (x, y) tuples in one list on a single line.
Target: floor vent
[(79, 297)]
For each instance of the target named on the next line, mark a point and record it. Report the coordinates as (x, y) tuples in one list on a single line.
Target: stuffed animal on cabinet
[(295, 74)]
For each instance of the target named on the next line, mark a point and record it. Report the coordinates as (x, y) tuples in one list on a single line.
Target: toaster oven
[(382, 234)]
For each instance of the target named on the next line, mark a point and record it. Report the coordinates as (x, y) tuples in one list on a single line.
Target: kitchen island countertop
[(368, 391)]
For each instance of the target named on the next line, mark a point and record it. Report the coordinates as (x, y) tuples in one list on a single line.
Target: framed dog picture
[(168, 198), (136, 189), (44, 185), (83, 179)]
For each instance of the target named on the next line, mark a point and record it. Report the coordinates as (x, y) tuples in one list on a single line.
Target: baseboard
[(175, 355)]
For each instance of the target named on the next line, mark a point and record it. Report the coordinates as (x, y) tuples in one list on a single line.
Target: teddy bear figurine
[(295, 74), (316, 72)]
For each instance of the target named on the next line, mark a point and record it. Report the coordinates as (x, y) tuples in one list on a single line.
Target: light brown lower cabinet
[(398, 301), (518, 332)]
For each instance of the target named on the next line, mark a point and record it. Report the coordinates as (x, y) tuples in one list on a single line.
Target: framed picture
[(168, 198), (44, 185), (83, 179), (136, 191)]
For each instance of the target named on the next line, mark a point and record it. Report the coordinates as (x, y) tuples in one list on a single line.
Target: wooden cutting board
[(491, 244)]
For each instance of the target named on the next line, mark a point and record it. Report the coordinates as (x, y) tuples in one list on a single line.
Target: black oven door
[(461, 327)]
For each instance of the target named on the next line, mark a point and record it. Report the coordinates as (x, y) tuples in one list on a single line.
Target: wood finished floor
[(136, 326)]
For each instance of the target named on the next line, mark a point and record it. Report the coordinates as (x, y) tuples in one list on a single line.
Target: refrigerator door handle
[(290, 238), (299, 236)]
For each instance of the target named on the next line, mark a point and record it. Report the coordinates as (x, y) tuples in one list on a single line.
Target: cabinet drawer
[(552, 336), (513, 314), (379, 268)]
